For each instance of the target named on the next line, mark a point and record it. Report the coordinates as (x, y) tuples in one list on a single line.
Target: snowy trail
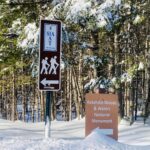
[(70, 136), (136, 134), (59, 129)]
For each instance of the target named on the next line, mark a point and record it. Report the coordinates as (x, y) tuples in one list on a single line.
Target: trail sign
[(49, 55), (102, 112)]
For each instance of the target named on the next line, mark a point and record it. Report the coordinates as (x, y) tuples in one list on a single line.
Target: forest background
[(105, 48)]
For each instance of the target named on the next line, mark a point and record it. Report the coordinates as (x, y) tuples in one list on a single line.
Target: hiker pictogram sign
[(49, 61)]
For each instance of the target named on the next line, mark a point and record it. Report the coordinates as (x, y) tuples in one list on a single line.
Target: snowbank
[(69, 136), (95, 141), (98, 141)]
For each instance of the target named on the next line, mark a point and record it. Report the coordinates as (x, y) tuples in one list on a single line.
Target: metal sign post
[(47, 114), (49, 64)]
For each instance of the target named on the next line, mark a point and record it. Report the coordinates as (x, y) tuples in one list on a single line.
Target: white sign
[(50, 37)]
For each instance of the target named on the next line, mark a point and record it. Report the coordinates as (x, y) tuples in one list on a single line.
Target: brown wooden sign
[(49, 58), (102, 113)]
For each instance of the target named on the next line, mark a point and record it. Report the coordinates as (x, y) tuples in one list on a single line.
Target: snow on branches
[(30, 38), (88, 13)]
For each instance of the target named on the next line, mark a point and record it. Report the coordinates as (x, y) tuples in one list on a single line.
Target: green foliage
[(75, 34)]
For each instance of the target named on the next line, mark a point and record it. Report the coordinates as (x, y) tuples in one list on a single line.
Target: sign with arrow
[(49, 57)]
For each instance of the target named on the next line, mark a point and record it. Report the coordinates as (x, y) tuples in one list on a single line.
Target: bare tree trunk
[(80, 79), (14, 100), (76, 100), (33, 103), (42, 106), (70, 95), (64, 94), (147, 75), (1, 102), (3, 99), (23, 103), (37, 105), (67, 96)]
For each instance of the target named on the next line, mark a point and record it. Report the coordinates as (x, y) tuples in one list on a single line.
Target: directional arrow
[(49, 82)]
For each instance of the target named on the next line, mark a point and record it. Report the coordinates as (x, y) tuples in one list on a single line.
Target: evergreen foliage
[(105, 46)]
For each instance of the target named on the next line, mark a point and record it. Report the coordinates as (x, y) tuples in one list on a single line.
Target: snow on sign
[(102, 112), (49, 60)]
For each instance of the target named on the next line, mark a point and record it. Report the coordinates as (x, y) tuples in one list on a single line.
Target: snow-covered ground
[(70, 136)]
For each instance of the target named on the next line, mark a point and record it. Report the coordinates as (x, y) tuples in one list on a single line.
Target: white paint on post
[(47, 128)]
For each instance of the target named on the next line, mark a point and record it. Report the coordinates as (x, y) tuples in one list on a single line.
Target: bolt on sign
[(102, 113), (49, 57)]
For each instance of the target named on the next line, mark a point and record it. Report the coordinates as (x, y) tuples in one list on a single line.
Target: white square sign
[(50, 37)]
